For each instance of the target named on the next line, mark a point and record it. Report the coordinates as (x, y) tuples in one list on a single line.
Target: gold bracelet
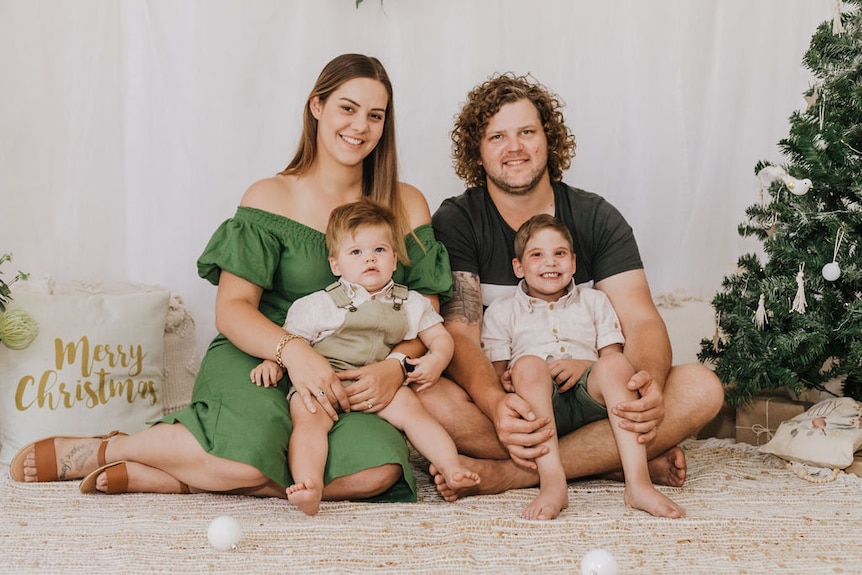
[(285, 339)]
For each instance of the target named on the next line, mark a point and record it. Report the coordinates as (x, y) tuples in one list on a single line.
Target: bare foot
[(648, 498), (461, 478), (144, 479), (548, 504), (75, 458), (668, 468), (499, 475), (305, 496)]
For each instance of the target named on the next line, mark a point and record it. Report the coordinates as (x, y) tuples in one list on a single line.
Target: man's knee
[(441, 395), (697, 388)]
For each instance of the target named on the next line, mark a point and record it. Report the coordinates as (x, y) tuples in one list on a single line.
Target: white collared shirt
[(575, 326)]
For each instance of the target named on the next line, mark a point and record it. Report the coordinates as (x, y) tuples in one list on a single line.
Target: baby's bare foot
[(461, 478), (306, 496), (648, 498), (499, 476)]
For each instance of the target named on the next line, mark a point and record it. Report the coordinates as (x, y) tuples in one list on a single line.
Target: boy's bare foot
[(548, 504), (306, 496), (648, 498), (668, 468), (75, 458)]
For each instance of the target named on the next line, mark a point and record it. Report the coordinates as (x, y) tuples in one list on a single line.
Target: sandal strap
[(46, 460), (118, 479), (100, 456)]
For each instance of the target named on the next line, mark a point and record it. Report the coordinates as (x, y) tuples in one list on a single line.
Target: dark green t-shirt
[(480, 241)]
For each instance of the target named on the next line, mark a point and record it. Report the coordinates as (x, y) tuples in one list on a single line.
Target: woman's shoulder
[(273, 194), (415, 205)]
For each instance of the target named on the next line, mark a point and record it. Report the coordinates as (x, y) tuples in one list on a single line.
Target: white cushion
[(97, 364), (827, 435)]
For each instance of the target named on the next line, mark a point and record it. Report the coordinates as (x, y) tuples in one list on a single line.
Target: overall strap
[(338, 293), (399, 294)]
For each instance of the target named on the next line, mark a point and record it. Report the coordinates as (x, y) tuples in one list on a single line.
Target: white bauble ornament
[(224, 533), (831, 271), (598, 562)]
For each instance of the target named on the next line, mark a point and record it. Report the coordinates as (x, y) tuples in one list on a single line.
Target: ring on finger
[(321, 393), (369, 404)]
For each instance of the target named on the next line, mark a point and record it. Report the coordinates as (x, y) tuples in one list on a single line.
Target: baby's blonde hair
[(347, 219)]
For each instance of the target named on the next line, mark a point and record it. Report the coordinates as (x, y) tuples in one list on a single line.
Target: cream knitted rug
[(747, 513)]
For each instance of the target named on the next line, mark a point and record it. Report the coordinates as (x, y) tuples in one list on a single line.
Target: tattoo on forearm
[(466, 303)]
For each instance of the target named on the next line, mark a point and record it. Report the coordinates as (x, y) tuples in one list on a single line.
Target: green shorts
[(575, 408)]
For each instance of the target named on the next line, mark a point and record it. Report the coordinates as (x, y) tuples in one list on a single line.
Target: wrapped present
[(721, 426), (757, 421)]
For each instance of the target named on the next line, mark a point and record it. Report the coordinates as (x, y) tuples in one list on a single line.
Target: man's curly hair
[(484, 101)]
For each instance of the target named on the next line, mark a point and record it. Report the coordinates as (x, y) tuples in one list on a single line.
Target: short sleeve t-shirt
[(480, 241)]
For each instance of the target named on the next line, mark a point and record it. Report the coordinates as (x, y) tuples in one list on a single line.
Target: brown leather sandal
[(118, 479), (46, 456)]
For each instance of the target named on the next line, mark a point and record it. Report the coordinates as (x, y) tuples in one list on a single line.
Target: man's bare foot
[(499, 475), (548, 504), (145, 479), (75, 458), (306, 496), (648, 498), (668, 468)]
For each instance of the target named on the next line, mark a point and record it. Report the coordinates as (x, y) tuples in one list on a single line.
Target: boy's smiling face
[(547, 265)]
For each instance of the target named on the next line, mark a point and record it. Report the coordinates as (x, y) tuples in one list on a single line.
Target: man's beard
[(521, 190)]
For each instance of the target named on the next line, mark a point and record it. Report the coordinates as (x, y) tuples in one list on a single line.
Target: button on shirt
[(575, 326)]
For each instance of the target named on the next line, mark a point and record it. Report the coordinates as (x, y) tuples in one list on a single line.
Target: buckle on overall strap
[(338, 293), (399, 294)]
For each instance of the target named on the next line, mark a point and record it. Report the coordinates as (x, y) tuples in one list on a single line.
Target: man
[(511, 146)]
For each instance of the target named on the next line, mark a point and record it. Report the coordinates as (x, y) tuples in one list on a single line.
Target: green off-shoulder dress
[(237, 420)]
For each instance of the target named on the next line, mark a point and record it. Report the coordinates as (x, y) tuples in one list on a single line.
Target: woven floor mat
[(747, 514)]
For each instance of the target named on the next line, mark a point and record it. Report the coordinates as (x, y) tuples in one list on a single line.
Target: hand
[(520, 431), (567, 372), (426, 370), (506, 381), (643, 415), (267, 373), (316, 382), (373, 385)]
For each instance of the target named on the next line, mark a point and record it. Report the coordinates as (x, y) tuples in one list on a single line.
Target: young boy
[(532, 336), (357, 321)]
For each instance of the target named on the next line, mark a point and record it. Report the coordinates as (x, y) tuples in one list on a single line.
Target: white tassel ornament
[(837, 26), (799, 302), (760, 318)]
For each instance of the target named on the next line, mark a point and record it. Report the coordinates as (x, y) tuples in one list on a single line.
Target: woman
[(233, 436)]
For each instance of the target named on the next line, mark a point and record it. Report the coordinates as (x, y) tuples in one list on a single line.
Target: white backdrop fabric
[(129, 129)]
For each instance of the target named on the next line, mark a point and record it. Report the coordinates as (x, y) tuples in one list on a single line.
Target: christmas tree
[(791, 317)]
